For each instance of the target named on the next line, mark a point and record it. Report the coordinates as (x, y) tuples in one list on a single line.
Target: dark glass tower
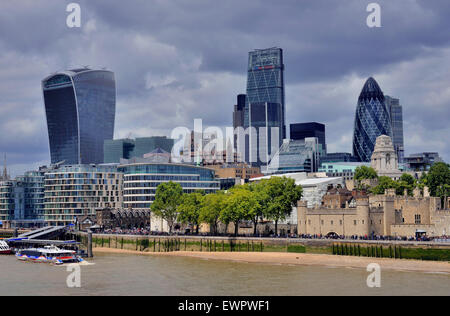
[(80, 106), (265, 135), (396, 114), (372, 119), (265, 81), (300, 131)]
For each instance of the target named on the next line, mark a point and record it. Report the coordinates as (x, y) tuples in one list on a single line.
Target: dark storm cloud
[(176, 60)]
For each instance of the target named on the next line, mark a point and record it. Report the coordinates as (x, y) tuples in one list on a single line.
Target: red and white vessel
[(4, 248)]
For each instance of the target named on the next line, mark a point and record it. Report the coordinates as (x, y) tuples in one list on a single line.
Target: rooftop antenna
[(5, 171)]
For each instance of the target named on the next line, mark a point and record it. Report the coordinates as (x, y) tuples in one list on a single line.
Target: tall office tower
[(372, 119), (80, 106), (300, 131), (396, 114), (238, 114), (265, 132), (238, 118), (265, 82)]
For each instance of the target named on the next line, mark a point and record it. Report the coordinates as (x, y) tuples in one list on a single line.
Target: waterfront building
[(300, 131), (384, 158), (372, 119), (422, 161), (265, 83), (357, 214), (77, 190), (117, 149), (22, 200), (80, 106), (296, 156), (396, 115), (141, 179)]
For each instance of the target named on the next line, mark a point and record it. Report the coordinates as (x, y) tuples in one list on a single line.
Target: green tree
[(259, 191), (438, 181), (438, 177), (283, 196), (364, 172), (167, 199), (211, 208), (189, 209), (239, 205), (406, 182), (384, 183)]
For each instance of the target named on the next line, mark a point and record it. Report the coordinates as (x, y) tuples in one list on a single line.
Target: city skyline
[(164, 81)]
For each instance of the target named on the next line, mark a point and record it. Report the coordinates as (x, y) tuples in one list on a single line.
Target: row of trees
[(437, 179), (271, 199)]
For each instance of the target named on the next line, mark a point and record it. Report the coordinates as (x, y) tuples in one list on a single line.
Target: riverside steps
[(436, 251)]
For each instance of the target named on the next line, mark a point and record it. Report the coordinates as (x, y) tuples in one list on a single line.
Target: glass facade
[(22, 200), (265, 136), (117, 149), (372, 119), (396, 114), (265, 82), (80, 106), (142, 179), (296, 156)]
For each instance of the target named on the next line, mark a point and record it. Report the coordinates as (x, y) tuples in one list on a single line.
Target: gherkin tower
[(371, 120)]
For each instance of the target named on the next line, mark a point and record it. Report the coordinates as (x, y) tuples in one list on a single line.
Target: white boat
[(4, 248), (48, 254)]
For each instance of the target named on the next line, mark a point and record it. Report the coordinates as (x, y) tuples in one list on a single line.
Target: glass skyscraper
[(372, 119), (396, 114), (265, 132), (80, 106), (265, 81)]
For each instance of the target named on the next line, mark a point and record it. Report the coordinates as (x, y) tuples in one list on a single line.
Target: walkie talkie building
[(372, 119), (80, 107)]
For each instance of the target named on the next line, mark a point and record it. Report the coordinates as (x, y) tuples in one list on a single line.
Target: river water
[(114, 274)]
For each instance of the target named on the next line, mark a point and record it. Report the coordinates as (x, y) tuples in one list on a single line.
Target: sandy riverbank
[(299, 259)]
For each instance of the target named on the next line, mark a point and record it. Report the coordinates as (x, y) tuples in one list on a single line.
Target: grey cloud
[(181, 59)]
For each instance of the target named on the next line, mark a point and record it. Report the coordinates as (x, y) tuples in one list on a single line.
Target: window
[(417, 219), (355, 222)]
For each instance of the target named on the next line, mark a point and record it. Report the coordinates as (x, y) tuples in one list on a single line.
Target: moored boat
[(4, 248), (48, 254)]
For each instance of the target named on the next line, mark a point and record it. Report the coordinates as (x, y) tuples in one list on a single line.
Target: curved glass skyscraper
[(371, 120), (80, 106)]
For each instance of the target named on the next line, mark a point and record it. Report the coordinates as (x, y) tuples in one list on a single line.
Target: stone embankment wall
[(388, 249)]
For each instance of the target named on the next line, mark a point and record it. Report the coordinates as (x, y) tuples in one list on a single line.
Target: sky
[(178, 60)]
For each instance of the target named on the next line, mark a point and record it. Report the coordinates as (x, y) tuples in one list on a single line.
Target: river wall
[(382, 249)]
